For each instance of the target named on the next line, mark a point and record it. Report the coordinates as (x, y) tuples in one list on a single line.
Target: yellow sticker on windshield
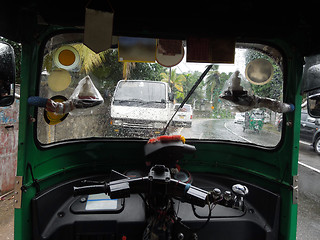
[(59, 80), (53, 118), (66, 57)]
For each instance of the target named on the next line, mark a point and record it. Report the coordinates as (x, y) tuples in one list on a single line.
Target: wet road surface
[(309, 194), (224, 129)]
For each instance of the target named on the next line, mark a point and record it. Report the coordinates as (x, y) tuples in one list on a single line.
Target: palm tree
[(89, 58), (175, 81), (127, 67), (212, 81)]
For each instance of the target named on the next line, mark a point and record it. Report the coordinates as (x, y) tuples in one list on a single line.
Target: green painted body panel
[(272, 169)]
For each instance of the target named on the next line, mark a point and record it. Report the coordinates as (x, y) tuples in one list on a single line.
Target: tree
[(127, 67), (176, 82), (212, 81), (111, 70), (147, 71), (199, 94)]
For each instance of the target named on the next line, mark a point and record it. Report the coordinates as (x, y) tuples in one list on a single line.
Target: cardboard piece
[(98, 29), (210, 50)]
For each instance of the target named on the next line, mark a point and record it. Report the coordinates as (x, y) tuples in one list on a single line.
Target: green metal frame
[(273, 169)]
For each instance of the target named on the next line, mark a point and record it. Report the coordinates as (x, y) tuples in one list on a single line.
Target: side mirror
[(314, 103), (7, 75), (171, 97)]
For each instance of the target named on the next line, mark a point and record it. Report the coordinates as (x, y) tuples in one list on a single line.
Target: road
[(222, 129), (309, 193)]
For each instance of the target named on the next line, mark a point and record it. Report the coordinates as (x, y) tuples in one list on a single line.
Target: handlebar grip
[(37, 101), (91, 189)]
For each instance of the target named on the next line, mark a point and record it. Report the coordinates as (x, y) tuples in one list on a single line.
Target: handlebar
[(159, 183), (91, 189)]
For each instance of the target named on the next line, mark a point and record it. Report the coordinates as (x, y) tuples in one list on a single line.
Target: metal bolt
[(180, 236)]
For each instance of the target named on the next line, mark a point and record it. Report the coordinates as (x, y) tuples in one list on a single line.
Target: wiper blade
[(194, 87), (130, 100)]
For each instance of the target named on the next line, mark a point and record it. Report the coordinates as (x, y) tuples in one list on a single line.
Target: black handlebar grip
[(91, 189)]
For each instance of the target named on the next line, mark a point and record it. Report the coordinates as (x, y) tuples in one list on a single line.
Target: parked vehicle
[(140, 106), (183, 116), (310, 130), (239, 117)]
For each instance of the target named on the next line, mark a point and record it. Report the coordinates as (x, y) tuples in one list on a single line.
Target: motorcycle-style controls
[(159, 182), (227, 196), (216, 194), (227, 199), (240, 191), (159, 173), (158, 190)]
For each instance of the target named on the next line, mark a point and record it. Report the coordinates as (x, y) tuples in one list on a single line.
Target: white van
[(140, 106)]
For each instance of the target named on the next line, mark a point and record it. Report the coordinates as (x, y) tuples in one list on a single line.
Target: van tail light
[(190, 116)]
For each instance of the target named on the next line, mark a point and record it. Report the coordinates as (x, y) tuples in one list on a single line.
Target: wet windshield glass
[(140, 91), (108, 98)]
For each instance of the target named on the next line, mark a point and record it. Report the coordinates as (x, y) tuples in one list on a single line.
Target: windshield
[(121, 99)]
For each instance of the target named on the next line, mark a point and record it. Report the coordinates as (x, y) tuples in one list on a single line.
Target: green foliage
[(110, 71), (191, 78), (176, 82), (214, 85)]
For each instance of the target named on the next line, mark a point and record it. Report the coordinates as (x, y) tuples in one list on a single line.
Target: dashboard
[(58, 214)]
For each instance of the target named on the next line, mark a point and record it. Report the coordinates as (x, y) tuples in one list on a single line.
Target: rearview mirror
[(7, 74)]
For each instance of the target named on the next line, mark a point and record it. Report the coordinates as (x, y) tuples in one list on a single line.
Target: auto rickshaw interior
[(94, 162)]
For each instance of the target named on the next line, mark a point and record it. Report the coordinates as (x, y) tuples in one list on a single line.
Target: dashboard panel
[(58, 214)]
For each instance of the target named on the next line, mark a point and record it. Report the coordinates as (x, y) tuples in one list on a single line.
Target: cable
[(208, 218)]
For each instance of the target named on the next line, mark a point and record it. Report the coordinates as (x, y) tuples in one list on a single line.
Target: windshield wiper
[(194, 87)]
